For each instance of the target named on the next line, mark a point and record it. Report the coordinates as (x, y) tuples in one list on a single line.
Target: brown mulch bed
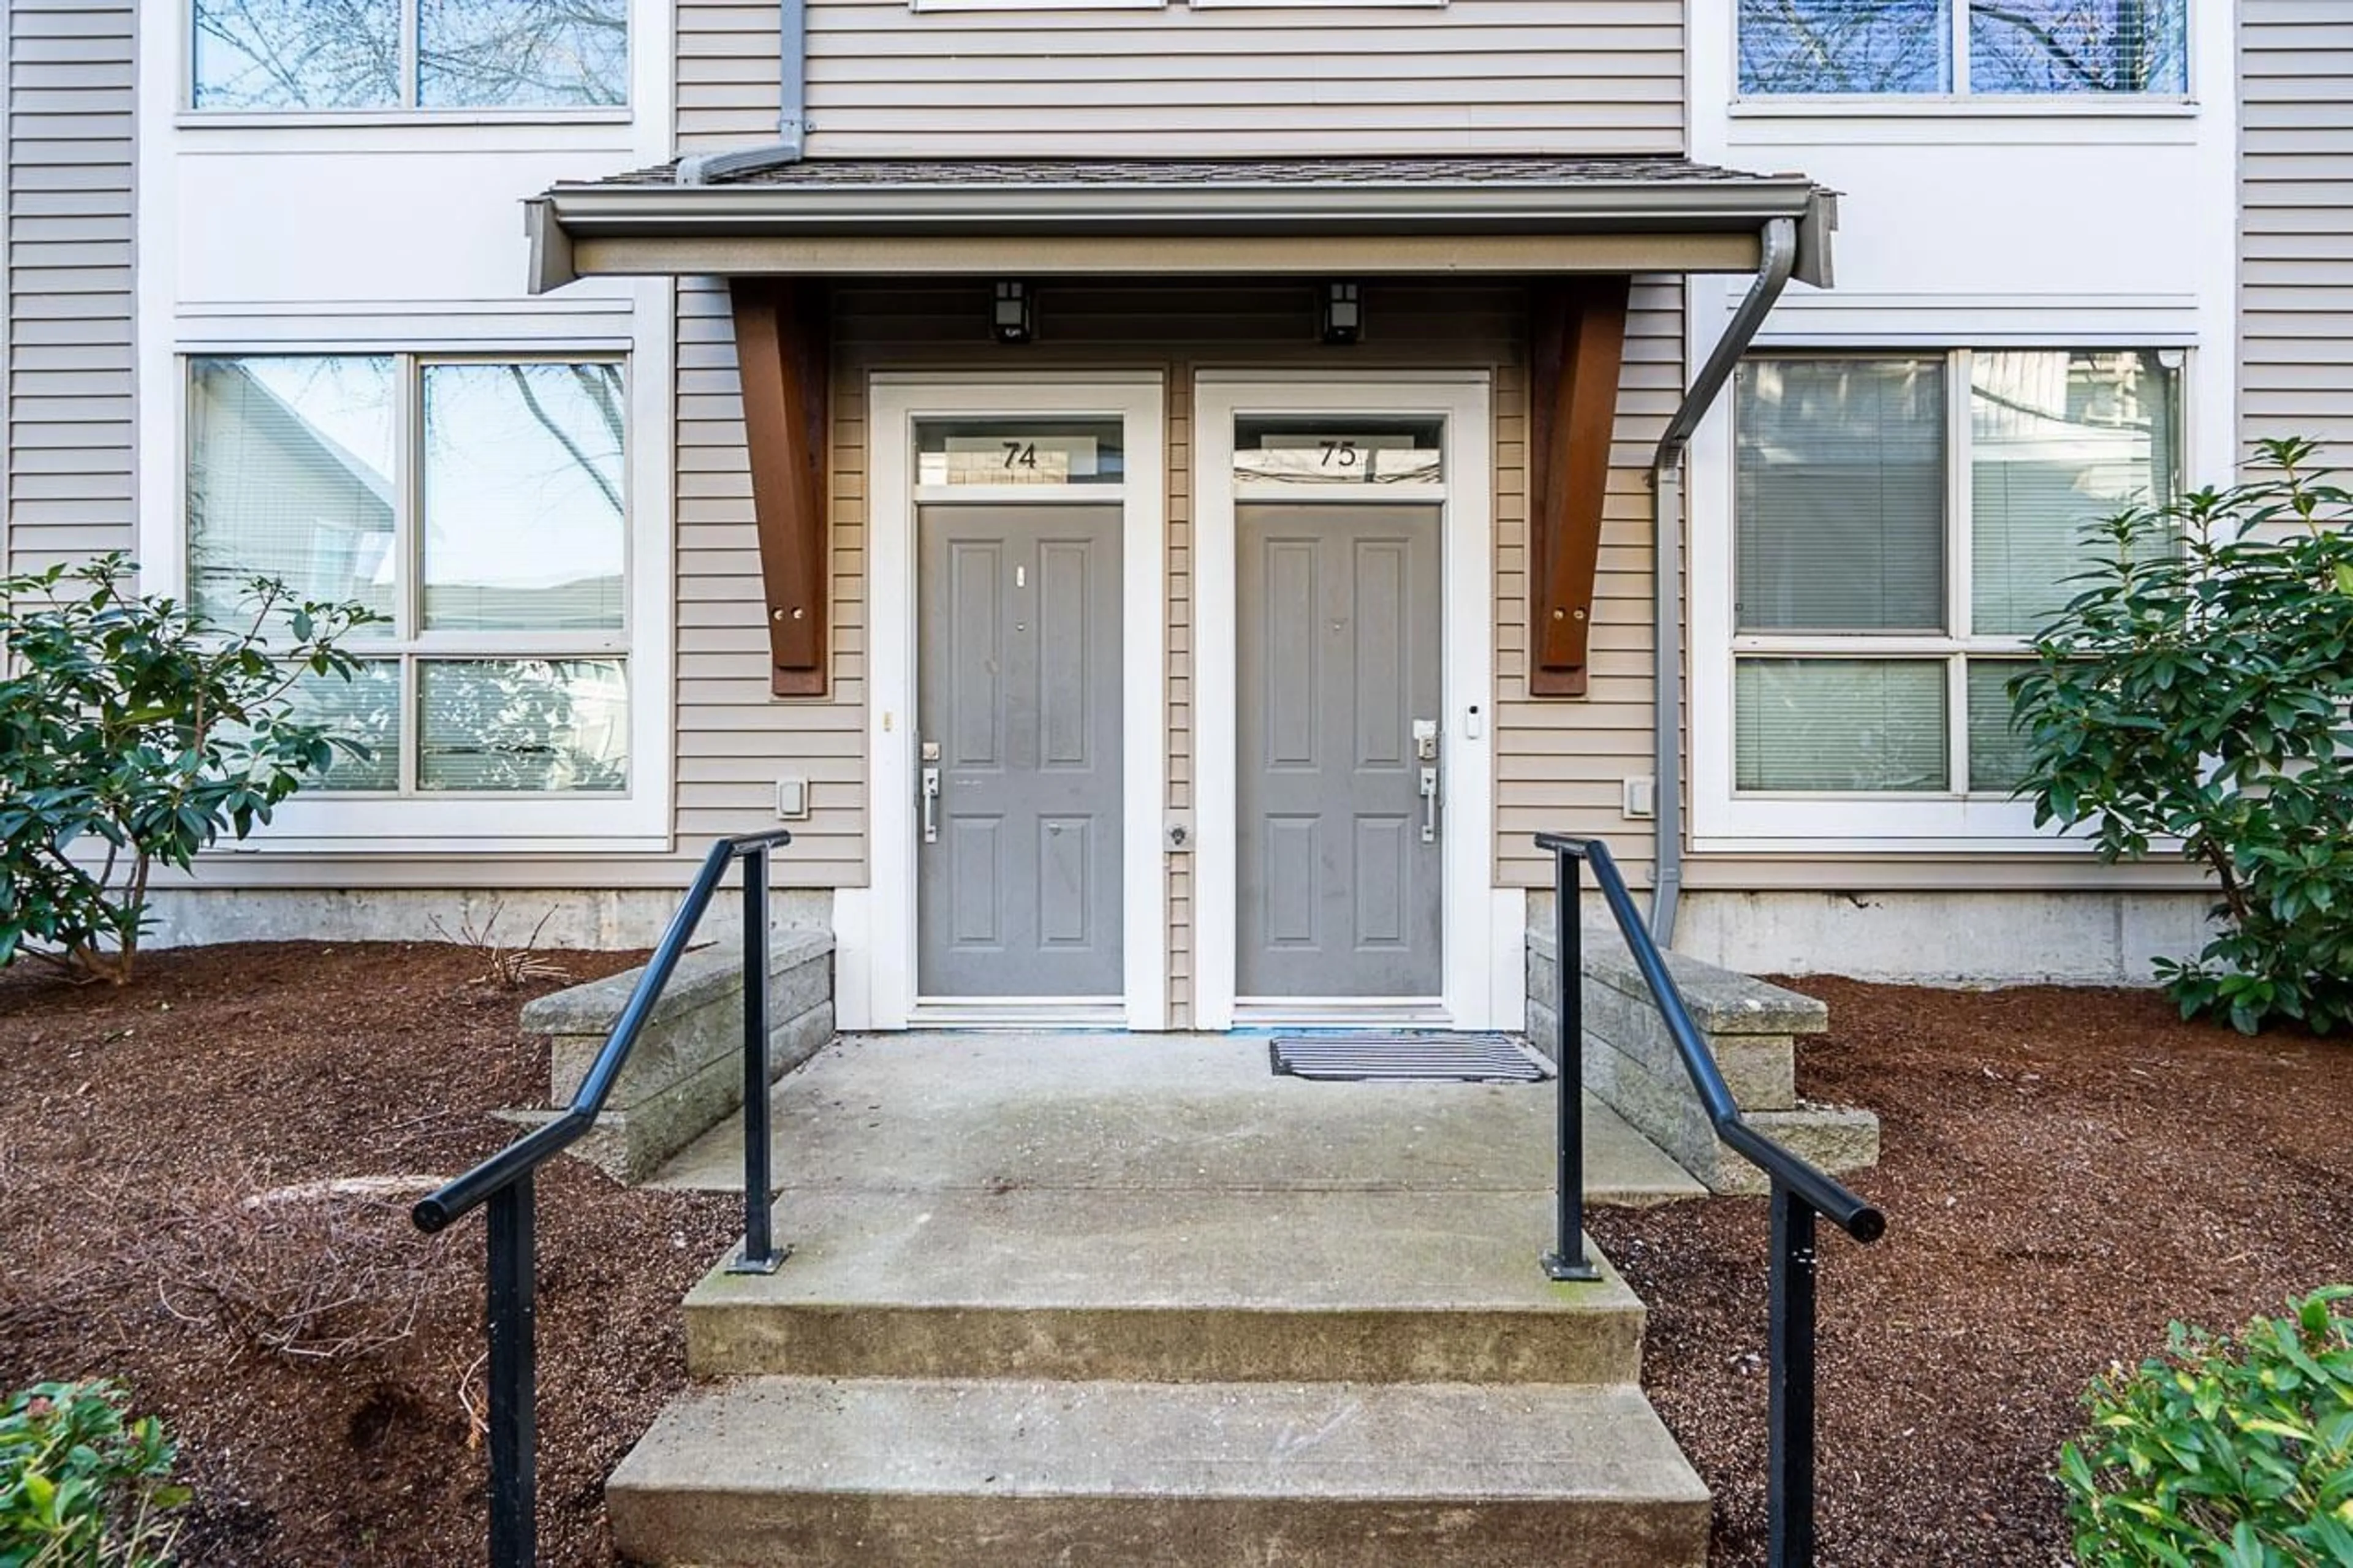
[(162, 1151), (2063, 1170)]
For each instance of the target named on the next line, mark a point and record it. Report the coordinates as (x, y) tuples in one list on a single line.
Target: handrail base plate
[(1566, 1271), (739, 1264)]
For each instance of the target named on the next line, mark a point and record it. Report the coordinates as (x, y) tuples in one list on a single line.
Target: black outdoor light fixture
[(1342, 314), (1011, 314)]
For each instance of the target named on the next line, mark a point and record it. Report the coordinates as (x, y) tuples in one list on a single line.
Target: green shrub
[(2235, 1453), (2198, 690), (133, 732), (82, 1485)]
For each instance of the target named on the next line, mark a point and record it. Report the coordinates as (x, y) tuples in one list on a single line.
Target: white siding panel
[(68, 483), (2296, 244)]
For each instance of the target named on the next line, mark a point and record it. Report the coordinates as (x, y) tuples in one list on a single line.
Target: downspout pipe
[(1779, 260), (792, 118)]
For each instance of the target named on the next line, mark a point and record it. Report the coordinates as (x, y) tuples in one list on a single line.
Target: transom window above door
[(1887, 47), (357, 54), (1338, 451), (480, 507), (1903, 525), (989, 450)]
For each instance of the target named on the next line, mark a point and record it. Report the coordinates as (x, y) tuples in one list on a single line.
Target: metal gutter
[(1786, 243), (792, 114)]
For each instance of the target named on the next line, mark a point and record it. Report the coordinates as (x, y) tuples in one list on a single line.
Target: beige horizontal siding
[(1603, 76), (736, 740), (69, 485), (2296, 247)]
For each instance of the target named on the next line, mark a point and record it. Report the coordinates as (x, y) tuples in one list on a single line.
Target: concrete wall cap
[(1722, 1001), (702, 976)]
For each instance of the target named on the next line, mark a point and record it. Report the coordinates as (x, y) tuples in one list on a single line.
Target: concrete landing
[(971, 1474), (1160, 1113)]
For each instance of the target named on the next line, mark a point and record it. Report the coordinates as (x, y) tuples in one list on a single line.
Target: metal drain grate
[(1429, 1058)]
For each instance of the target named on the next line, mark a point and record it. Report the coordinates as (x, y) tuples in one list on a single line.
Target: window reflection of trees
[(467, 54), (2070, 46), (496, 54), (298, 54), (1845, 45), (2056, 47)]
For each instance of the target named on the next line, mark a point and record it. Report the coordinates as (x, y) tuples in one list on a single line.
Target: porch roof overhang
[(1146, 217)]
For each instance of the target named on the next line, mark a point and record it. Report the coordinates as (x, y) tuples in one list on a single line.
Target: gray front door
[(1017, 722), (1338, 859)]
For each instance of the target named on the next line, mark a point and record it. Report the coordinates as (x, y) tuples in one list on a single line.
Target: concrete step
[(1189, 1285), (929, 1473)]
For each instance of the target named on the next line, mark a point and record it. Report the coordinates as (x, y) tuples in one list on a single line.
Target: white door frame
[(888, 915), (1467, 723)]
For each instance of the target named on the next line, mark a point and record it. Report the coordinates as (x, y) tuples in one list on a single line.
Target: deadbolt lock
[(1425, 740)]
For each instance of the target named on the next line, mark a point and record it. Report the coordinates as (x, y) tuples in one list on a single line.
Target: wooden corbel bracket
[(1576, 328), (782, 338)]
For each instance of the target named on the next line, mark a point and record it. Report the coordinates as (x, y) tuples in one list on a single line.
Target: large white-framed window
[(480, 501), (1963, 48), (379, 56), (1901, 525)]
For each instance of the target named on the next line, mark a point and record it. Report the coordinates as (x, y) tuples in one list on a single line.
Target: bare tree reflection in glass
[(1845, 45), (2078, 46), (500, 54), (296, 53)]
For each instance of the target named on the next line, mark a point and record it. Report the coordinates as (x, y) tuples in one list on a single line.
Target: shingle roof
[(1530, 170)]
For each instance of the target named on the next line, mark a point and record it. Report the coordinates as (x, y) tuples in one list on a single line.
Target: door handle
[(930, 806), (1429, 806)]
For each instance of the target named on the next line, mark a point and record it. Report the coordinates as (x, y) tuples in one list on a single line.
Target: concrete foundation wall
[(1945, 938), (600, 919)]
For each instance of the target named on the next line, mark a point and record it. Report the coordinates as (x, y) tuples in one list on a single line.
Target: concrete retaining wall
[(686, 1075), (1630, 1062)]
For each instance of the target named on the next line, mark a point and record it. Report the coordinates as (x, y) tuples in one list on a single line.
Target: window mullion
[(1960, 521), (409, 485), (1960, 46), (411, 51), (1956, 725), (1960, 545), (411, 720)]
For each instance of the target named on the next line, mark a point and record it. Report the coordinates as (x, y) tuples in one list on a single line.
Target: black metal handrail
[(504, 1182), (1800, 1191)]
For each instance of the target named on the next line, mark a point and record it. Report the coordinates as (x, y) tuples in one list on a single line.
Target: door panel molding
[(1338, 659), (887, 915), (1468, 997), (1021, 894)]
